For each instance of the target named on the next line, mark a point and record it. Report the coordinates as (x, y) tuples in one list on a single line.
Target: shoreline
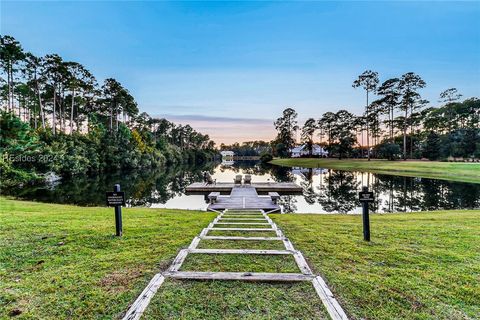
[(452, 171)]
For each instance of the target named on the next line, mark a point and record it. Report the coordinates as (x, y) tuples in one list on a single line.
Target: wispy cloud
[(225, 129)]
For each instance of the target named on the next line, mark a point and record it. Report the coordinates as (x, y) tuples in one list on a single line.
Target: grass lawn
[(235, 300), (62, 262), (456, 171), (240, 263), (241, 244), (417, 266)]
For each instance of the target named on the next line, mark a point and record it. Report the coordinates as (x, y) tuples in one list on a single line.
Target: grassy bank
[(455, 171), (417, 266), (61, 262)]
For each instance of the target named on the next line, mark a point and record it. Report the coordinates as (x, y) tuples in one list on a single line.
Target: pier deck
[(244, 197), (176, 270), (261, 187)]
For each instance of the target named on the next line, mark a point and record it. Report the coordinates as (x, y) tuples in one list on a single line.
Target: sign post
[(365, 197), (117, 199)]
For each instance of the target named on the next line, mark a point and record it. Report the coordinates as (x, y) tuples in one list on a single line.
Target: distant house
[(302, 151), (227, 154)]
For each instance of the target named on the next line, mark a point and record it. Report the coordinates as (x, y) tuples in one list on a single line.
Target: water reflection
[(143, 188), (324, 190)]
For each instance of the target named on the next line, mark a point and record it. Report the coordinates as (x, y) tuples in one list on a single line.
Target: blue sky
[(249, 60)]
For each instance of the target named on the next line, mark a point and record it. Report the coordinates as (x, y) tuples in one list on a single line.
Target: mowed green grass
[(179, 299), (455, 171), (240, 263), (63, 262), (417, 266), (241, 244)]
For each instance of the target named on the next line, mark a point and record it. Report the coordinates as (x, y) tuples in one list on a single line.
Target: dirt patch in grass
[(119, 280)]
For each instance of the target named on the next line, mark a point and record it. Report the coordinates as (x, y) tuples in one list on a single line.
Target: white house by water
[(302, 151), (227, 154)]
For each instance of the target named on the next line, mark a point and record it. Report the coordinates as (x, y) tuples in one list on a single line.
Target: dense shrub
[(266, 157), (390, 151), (27, 154)]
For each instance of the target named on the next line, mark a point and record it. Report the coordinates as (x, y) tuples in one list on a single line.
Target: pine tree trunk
[(71, 111), (36, 120), (60, 115), (368, 141), (391, 124), (111, 118), (64, 111), (9, 80), (116, 118), (411, 133), (54, 125), (405, 135), (42, 115), (13, 102)]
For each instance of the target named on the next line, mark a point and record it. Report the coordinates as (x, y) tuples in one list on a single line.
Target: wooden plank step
[(242, 251), (243, 216), (138, 307), (241, 229), (245, 223), (240, 238), (178, 261), (334, 309), (242, 219), (245, 276), (243, 212)]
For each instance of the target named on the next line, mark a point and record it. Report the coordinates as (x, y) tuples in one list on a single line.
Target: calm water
[(324, 190)]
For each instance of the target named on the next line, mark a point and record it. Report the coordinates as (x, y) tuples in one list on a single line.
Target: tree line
[(248, 148), (396, 123), (57, 111)]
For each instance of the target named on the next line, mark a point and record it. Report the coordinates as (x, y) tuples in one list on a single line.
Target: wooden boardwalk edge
[(140, 305), (245, 276), (331, 305)]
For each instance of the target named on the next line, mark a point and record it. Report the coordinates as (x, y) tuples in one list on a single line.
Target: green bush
[(266, 157), (390, 151)]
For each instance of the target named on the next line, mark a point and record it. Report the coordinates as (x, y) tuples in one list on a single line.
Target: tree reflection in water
[(339, 192), (141, 188), (324, 190)]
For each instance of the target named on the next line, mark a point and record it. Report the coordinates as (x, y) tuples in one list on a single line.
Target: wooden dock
[(242, 204), (260, 187), (244, 197), (175, 271)]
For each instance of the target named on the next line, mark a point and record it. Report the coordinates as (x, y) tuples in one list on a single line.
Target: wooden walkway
[(261, 187), (238, 216), (244, 197)]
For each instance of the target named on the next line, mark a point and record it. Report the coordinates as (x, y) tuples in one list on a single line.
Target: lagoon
[(324, 190)]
